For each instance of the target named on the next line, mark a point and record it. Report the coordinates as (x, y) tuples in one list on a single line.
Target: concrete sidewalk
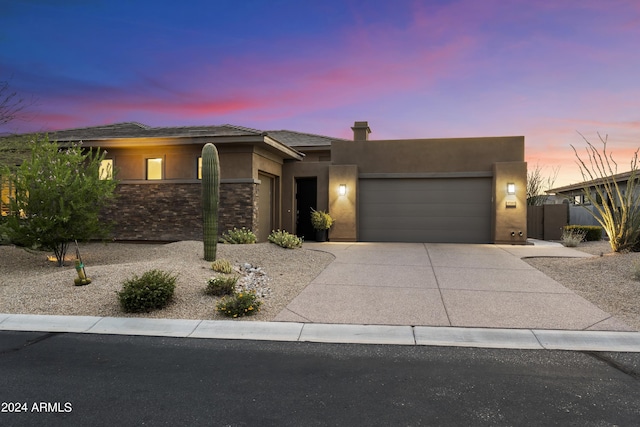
[(461, 285)]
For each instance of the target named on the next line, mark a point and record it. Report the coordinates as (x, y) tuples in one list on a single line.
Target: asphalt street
[(93, 380)]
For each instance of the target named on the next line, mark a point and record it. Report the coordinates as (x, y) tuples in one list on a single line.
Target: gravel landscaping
[(606, 280), (31, 284)]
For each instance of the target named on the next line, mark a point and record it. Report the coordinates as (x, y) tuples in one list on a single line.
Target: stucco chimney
[(361, 131)]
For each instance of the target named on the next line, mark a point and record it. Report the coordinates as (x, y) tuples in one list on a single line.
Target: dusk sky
[(545, 69)]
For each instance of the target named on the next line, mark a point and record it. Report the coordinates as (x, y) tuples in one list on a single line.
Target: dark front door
[(306, 199)]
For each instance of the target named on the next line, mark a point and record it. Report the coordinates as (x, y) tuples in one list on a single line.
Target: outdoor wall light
[(511, 188), (342, 189)]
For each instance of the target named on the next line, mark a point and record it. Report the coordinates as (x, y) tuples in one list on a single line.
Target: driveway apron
[(436, 284)]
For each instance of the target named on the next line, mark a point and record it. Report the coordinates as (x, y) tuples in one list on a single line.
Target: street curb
[(521, 339)]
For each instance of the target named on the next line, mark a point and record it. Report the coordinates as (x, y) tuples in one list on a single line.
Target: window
[(154, 169), (106, 169), (199, 167), (6, 193)]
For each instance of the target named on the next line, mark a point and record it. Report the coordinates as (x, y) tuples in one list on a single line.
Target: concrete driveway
[(428, 284)]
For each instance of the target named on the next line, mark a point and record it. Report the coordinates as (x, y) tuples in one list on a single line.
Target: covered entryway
[(451, 210), (306, 199)]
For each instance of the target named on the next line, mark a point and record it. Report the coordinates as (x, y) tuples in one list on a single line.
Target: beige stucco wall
[(181, 162), (510, 210), (343, 209), (263, 161), (316, 155), (237, 163), (428, 155)]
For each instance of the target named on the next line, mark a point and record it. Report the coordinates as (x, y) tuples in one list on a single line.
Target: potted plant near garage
[(321, 222)]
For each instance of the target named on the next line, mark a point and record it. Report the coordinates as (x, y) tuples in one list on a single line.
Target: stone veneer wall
[(171, 212), (238, 206)]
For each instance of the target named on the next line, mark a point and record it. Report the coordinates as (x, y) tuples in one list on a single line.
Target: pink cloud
[(192, 107)]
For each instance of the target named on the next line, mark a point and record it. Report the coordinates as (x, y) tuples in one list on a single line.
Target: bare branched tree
[(537, 184), (13, 148), (10, 104), (615, 206)]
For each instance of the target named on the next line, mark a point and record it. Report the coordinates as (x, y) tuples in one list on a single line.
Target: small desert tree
[(538, 184), (617, 210), (58, 197)]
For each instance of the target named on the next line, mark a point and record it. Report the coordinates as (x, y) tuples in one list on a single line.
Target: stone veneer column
[(238, 206)]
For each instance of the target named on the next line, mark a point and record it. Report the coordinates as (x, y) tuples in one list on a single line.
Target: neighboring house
[(417, 190), (575, 195)]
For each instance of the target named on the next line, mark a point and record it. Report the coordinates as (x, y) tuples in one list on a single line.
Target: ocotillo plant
[(210, 192)]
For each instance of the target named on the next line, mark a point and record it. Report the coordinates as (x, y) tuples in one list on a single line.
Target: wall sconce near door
[(511, 188), (342, 189)]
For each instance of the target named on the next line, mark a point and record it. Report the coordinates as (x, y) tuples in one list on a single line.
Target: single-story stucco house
[(416, 190)]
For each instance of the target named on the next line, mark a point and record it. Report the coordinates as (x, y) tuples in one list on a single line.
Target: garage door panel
[(464, 196), (432, 222), (425, 210), (433, 237), (412, 223), (407, 197), (395, 211)]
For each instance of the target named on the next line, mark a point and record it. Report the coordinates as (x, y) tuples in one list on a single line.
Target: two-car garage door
[(453, 210)]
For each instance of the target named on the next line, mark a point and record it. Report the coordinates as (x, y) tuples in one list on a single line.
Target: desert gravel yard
[(32, 285), (606, 280)]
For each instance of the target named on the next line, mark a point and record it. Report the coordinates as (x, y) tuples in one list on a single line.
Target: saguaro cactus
[(210, 192)]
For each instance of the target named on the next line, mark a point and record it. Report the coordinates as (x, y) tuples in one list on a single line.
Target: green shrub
[(152, 290), (592, 233), (636, 272), (222, 266), (285, 239), (4, 233), (321, 220), (571, 238), (238, 305), (239, 237), (221, 285)]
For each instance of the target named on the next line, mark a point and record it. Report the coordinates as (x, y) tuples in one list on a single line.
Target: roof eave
[(621, 177), (285, 149)]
